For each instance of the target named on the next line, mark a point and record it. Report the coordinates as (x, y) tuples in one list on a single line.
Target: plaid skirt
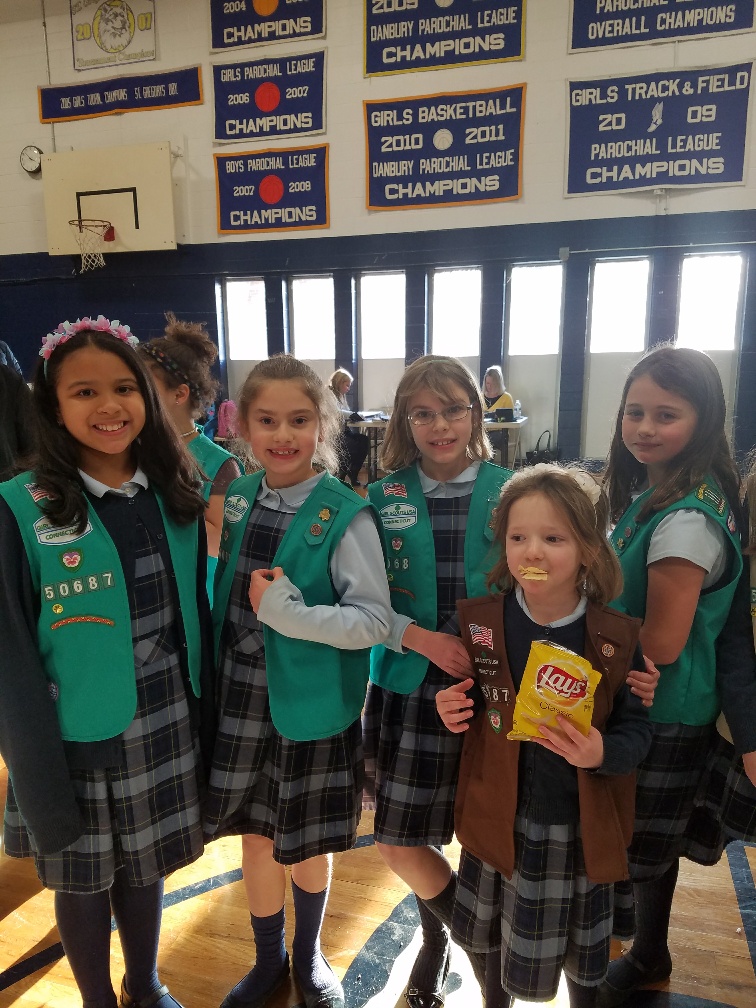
[(412, 764), (144, 816), (547, 918), (304, 796)]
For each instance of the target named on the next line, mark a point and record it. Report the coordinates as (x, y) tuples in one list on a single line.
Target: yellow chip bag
[(555, 681)]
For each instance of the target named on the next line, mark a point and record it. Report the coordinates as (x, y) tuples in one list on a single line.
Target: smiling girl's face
[(282, 427), (656, 425)]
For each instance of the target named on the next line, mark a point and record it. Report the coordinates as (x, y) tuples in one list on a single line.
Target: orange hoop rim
[(102, 227)]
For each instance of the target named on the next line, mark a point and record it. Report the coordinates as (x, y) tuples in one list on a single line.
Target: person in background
[(352, 446), (180, 363), (8, 357), (16, 420), (494, 390)]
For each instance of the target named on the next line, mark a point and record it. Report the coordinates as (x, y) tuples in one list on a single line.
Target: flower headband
[(169, 364), (584, 480), (66, 330)]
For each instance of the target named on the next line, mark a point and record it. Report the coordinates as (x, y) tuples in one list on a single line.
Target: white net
[(89, 235)]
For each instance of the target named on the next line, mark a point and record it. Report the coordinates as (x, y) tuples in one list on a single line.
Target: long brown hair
[(437, 375), (284, 367), (157, 450), (599, 577), (185, 356), (693, 376)]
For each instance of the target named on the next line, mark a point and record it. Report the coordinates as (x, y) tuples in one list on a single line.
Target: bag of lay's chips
[(555, 681)]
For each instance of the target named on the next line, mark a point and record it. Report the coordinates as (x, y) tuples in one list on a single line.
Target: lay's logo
[(561, 682)]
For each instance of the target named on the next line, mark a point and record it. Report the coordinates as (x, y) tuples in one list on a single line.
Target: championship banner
[(267, 98), (650, 131), (134, 93), (235, 23), (601, 24), (402, 35), (441, 150), (278, 189), (107, 33)]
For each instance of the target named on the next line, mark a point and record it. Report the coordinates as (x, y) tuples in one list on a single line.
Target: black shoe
[(426, 983), (232, 1000), (627, 975), (333, 997), (158, 999)]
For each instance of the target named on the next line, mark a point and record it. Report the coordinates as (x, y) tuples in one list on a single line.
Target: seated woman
[(494, 390), (352, 446)]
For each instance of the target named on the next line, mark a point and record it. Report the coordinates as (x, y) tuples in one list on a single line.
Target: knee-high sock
[(443, 907), (581, 997), (313, 971), (84, 925), (496, 996), (653, 907), (270, 957), (138, 911)]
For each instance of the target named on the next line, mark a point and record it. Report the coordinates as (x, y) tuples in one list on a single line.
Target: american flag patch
[(394, 489), (36, 492), (481, 635)]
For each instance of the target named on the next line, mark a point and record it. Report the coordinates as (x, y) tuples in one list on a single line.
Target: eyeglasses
[(421, 417)]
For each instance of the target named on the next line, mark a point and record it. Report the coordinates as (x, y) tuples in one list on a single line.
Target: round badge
[(607, 650), (57, 608), (316, 529)]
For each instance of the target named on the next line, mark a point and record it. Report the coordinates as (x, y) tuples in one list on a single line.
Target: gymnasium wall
[(568, 391)]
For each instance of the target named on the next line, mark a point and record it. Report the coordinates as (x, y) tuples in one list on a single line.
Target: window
[(619, 300), (382, 316), (246, 321), (709, 301), (535, 309), (455, 324), (313, 324)]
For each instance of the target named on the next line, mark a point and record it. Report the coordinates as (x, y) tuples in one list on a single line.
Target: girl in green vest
[(300, 597), (673, 490), (180, 363), (102, 592)]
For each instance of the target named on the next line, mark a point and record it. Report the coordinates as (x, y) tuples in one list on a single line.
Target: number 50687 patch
[(78, 586)]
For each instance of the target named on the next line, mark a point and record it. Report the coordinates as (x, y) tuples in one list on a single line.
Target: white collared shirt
[(128, 488)]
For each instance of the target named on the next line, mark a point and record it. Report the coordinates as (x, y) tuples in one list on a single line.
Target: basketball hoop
[(91, 236)]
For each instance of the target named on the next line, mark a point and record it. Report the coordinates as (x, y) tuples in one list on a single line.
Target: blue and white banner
[(600, 24), (133, 93), (649, 131), (450, 149), (108, 33), (402, 35), (235, 23), (267, 98), (279, 189)]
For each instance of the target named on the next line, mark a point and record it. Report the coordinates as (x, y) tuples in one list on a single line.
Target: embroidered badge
[(53, 535), (37, 493), (316, 529), (52, 689), (494, 717), (394, 490), (712, 498), (398, 516), (324, 515), (607, 650), (628, 532), (235, 508), (481, 635), (57, 608), (81, 619), (731, 524), (396, 544), (72, 559)]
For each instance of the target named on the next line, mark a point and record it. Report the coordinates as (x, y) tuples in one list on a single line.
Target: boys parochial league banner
[(402, 35), (108, 33), (278, 189), (452, 149), (599, 24), (235, 23), (648, 131), (266, 98)]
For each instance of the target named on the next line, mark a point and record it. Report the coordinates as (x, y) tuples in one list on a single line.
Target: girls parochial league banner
[(599, 24), (281, 96), (109, 33), (235, 23), (279, 189), (440, 150), (403, 35), (648, 131)]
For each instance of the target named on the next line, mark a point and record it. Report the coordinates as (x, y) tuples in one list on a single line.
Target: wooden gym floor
[(370, 935)]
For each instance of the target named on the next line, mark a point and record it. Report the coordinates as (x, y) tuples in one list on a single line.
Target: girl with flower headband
[(104, 666), (544, 824), (180, 363)]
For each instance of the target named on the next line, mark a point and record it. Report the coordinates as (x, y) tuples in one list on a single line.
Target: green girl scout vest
[(687, 691), (315, 690), (209, 457), (411, 561), (84, 627)]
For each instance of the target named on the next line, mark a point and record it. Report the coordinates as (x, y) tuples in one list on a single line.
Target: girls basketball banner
[(109, 32), (440, 150), (283, 96), (235, 23), (649, 131), (134, 93), (402, 35), (601, 24), (279, 189)]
